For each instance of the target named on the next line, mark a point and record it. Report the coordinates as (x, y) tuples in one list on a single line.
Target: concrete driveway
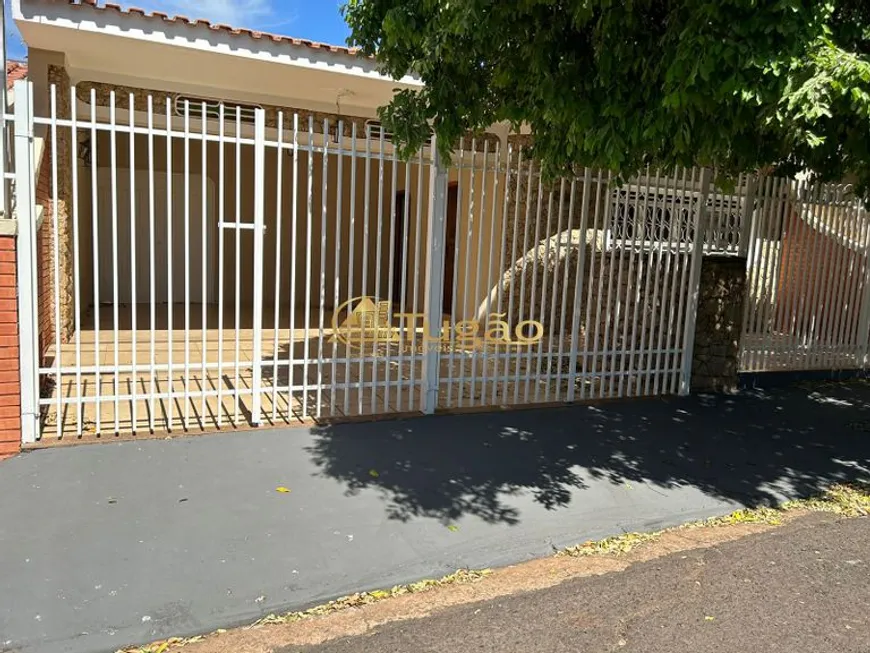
[(108, 545)]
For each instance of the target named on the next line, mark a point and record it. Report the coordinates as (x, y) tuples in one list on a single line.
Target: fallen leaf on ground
[(453, 528), (282, 489), (373, 473)]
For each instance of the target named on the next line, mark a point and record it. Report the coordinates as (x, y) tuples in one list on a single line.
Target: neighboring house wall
[(10, 389), (807, 286)]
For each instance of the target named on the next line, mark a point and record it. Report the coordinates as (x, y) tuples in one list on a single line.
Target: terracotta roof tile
[(199, 23), (15, 70)]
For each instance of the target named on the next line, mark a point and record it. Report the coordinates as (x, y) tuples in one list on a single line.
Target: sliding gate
[(191, 264)]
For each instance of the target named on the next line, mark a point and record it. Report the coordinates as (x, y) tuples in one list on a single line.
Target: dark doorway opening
[(449, 244)]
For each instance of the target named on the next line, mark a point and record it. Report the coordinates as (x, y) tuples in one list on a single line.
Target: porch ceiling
[(137, 50)]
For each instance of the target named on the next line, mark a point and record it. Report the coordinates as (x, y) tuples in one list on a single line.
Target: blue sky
[(318, 20)]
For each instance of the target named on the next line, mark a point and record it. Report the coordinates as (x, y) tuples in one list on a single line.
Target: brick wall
[(10, 395)]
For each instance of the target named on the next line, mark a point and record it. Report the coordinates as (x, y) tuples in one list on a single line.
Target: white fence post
[(26, 257), (694, 283), (434, 280), (259, 235), (747, 215), (864, 310)]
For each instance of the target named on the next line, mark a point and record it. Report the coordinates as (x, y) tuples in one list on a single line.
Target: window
[(374, 129), (213, 108)]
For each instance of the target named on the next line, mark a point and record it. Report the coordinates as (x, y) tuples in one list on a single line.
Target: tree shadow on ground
[(753, 448)]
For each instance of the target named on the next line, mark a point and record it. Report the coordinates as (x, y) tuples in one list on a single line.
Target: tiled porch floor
[(194, 405)]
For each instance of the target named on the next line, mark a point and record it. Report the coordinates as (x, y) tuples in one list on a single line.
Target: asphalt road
[(803, 588), (108, 545)]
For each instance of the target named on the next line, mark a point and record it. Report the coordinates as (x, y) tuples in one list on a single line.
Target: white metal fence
[(808, 296), (268, 266), (264, 267)]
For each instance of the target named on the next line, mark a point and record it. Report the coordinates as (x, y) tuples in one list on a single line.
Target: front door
[(450, 247)]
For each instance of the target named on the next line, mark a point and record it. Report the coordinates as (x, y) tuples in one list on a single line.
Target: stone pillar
[(61, 150), (10, 388), (721, 294)]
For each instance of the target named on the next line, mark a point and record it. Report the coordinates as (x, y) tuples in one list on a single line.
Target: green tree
[(742, 84)]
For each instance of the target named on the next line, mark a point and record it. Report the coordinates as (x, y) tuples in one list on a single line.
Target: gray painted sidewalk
[(108, 545)]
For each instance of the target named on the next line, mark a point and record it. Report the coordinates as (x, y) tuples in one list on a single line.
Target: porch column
[(434, 288)]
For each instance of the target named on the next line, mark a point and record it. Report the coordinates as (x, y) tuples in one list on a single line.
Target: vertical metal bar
[(525, 262), (351, 261), (187, 252), (238, 239), (831, 290), (675, 248), (365, 262), (804, 221), (747, 210), (496, 173), (323, 226), (58, 379), (783, 319), (309, 227), (561, 261), (454, 290), (279, 237), (377, 279), (512, 261), (294, 241), (403, 289), (578, 285), (759, 265), (682, 290), (852, 306), (77, 287), (95, 244), (841, 282), (536, 244), (391, 243), (596, 250), (749, 249), (614, 260), (415, 308), (134, 408), (475, 298), (221, 259), (499, 288), (694, 281), (259, 234), (756, 270), (206, 252), (632, 306), (641, 296), (28, 352), (170, 307), (653, 277), (469, 230), (863, 322), (544, 264), (779, 208), (434, 281), (339, 220), (113, 146), (152, 266), (663, 318)]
